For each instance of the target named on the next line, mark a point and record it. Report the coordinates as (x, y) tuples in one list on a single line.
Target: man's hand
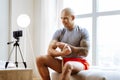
[(60, 45), (65, 48)]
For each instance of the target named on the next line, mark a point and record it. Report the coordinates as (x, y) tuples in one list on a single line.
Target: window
[(101, 18), (80, 6), (108, 5), (108, 40)]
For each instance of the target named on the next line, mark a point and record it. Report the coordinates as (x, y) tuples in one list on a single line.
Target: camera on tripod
[(17, 34)]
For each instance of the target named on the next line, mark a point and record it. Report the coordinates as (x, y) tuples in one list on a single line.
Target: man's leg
[(43, 62), (71, 67)]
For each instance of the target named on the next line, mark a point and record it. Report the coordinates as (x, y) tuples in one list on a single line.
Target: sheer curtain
[(46, 22)]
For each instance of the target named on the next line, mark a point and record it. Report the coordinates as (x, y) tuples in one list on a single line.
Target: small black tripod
[(16, 45)]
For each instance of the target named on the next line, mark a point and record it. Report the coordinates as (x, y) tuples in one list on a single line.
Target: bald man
[(73, 42)]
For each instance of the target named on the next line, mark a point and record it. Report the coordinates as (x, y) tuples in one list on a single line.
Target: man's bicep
[(84, 43), (53, 44)]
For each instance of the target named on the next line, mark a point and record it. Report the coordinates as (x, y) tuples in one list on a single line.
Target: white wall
[(4, 27)]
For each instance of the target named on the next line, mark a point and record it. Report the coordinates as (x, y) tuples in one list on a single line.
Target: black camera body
[(17, 34)]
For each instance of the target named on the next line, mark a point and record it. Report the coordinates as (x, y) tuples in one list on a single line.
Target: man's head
[(67, 17)]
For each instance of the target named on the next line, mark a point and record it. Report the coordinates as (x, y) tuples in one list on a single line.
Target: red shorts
[(83, 61)]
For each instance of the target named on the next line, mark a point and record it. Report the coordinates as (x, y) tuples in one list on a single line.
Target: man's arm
[(82, 50), (52, 48), (65, 49)]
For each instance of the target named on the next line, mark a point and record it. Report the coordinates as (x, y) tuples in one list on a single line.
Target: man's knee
[(42, 59), (67, 67), (39, 59)]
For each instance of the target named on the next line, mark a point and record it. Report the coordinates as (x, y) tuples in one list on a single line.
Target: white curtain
[(46, 22)]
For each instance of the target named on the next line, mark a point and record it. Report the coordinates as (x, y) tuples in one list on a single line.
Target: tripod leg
[(22, 57), (16, 64), (6, 64), (25, 64), (16, 55), (9, 57)]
